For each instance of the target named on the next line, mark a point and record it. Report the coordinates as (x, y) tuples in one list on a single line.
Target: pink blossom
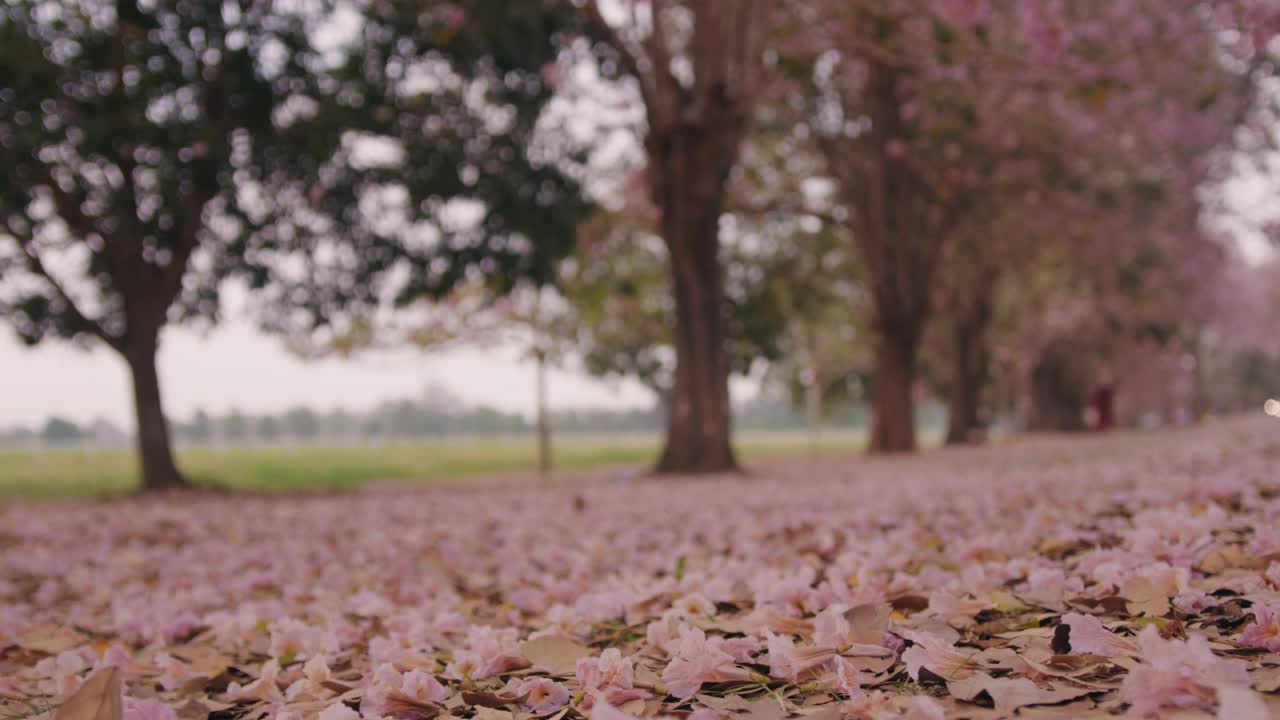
[(1177, 674), (830, 628), (466, 665), (541, 696), (492, 651), (63, 671), (265, 687), (338, 711), (662, 634), (694, 605), (295, 639), (697, 661), (1264, 631), (423, 687), (610, 675), (173, 673), (1273, 574), (314, 674), (384, 682), (846, 678), (117, 657), (788, 662)]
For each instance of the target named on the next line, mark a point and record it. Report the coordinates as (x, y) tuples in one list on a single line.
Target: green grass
[(61, 473)]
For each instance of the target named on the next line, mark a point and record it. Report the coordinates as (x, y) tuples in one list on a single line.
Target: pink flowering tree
[(934, 124)]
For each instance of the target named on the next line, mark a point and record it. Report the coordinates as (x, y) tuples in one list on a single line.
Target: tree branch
[(78, 319), (630, 62)]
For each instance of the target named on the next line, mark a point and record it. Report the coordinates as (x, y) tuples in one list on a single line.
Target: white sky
[(235, 365)]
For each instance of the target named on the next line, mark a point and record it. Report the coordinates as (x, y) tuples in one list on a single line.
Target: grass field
[(52, 473)]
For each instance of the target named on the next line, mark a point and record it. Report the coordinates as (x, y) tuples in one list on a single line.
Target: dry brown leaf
[(1222, 558), (1001, 658), (486, 699), (1009, 694), (555, 654), (559, 713), (196, 709), (647, 677), (1068, 672), (1266, 679), (204, 660), (910, 603), (97, 699), (487, 713), (1144, 597), (868, 622), (51, 639), (828, 711), (1236, 702)]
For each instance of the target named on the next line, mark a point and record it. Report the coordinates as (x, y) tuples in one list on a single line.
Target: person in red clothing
[(1103, 406)]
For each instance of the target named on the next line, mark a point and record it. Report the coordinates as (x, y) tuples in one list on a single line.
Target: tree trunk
[(543, 421), (698, 421), (892, 423), (1057, 400), (897, 230), (970, 358), (689, 164), (154, 451)]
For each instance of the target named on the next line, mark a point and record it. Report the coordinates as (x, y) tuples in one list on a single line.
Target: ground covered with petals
[(1133, 575)]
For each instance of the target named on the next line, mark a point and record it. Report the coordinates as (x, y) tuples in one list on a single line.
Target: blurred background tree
[(156, 150)]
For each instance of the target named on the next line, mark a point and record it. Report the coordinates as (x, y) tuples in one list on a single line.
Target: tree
[(139, 140), (929, 116), (460, 183), (898, 108), (807, 288), (618, 290), (157, 149), (698, 66), (61, 431), (301, 423), (200, 429), (235, 426), (532, 317), (268, 428)]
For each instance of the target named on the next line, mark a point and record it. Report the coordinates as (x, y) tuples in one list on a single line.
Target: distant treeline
[(435, 413)]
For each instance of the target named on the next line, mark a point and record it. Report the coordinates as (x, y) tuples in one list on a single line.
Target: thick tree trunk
[(689, 166), (892, 423), (969, 374), (896, 228), (154, 450), (1057, 400), (698, 422)]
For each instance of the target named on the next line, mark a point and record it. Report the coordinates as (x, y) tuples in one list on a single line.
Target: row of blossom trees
[(1044, 158)]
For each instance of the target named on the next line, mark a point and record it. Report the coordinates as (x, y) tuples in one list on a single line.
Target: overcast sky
[(237, 366)]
